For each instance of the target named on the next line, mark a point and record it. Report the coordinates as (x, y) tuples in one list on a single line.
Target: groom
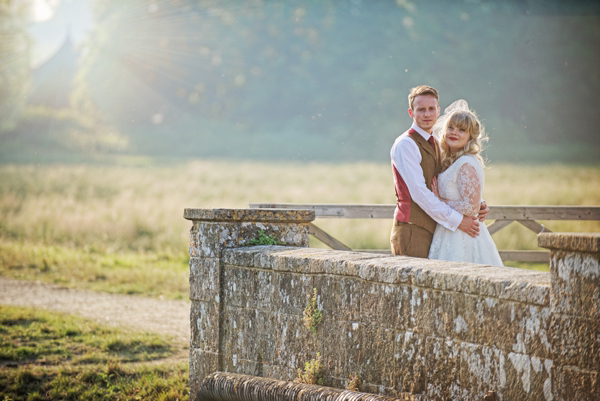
[(415, 163)]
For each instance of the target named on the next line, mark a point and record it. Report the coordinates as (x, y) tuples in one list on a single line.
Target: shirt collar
[(421, 132)]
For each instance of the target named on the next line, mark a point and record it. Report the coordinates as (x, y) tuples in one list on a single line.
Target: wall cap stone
[(249, 215), (579, 242), (528, 286)]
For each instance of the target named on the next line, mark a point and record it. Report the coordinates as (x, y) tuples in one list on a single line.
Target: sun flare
[(43, 10)]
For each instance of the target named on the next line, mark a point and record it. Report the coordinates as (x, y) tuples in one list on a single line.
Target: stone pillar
[(575, 305), (212, 231)]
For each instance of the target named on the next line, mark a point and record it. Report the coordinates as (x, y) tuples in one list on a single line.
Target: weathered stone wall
[(575, 305), (432, 330), (213, 231)]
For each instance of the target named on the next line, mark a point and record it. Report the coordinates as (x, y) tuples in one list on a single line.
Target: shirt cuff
[(453, 221)]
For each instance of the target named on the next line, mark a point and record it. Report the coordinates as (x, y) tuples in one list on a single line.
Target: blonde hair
[(421, 90), (467, 121)]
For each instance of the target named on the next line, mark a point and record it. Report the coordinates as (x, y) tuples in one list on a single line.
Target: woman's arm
[(469, 189)]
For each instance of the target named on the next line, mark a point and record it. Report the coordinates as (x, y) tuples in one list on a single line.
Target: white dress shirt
[(406, 158)]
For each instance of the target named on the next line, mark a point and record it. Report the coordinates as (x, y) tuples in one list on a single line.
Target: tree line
[(328, 80)]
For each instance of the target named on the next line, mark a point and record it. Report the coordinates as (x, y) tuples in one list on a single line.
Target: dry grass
[(142, 208), (116, 209)]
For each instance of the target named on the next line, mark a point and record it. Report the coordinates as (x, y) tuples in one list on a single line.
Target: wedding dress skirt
[(461, 183)]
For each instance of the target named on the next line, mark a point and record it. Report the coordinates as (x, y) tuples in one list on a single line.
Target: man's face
[(425, 111)]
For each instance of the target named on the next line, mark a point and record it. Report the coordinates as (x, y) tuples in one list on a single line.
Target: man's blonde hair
[(422, 90)]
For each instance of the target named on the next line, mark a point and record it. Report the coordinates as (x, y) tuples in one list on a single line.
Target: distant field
[(80, 211)]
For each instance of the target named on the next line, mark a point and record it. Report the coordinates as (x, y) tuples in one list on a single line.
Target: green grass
[(41, 337), (529, 266), (53, 356), (167, 382), (157, 274)]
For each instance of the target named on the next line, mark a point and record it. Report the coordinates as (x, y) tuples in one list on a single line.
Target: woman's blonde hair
[(467, 121)]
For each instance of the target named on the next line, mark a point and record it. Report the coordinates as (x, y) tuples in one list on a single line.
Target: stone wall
[(213, 231), (412, 328), (575, 305)]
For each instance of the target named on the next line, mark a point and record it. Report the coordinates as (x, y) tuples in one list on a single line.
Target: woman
[(460, 185)]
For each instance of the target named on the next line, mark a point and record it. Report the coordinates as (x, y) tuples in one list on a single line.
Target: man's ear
[(410, 112), (439, 111)]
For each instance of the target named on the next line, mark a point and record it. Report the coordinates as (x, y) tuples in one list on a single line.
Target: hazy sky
[(50, 22)]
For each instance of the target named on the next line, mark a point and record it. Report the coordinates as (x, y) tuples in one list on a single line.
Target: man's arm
[(406, 159)]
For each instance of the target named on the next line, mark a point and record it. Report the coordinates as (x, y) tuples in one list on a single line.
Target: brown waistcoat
[(406, 209)]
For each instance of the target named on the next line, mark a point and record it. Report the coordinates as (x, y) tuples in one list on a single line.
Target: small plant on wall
[(312, 314), (354, 382), (264, 239), (313, 372)]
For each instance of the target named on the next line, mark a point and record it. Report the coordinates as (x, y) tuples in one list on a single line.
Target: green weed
[(264, 239), (312, 315), (313, 372), (354, 382)]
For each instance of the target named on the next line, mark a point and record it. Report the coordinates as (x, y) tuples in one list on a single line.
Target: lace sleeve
[(469, 189)]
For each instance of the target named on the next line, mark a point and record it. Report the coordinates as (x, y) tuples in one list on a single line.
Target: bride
[(460, 185)]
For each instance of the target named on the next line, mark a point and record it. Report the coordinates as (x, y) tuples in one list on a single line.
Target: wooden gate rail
[(503, 216)]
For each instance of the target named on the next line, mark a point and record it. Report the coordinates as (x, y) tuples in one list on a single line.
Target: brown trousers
[(410, 240)]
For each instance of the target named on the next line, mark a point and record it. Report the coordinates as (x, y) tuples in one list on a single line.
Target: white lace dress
[(462, 185)]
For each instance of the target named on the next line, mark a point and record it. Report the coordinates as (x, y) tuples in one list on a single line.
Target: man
[(415, 163)]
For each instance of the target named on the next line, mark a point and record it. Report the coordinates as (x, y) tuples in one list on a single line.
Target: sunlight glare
[(43, 10)]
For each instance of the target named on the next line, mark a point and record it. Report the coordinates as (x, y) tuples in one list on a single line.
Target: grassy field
[(52, 356), (125, 272), (121, 229)]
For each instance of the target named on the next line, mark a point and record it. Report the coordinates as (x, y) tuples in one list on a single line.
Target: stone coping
[(532, 287), (224, 386), (579, 242), (249, 215)]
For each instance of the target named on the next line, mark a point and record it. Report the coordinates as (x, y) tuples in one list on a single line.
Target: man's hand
[(483, 211), (434, 187), (470, 225)]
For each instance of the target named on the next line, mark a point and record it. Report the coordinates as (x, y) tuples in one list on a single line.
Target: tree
[(14, 61)]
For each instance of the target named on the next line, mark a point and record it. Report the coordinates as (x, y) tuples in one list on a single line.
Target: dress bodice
[(462, 185)]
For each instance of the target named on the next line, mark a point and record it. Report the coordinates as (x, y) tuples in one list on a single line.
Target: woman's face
[(456, 138)]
